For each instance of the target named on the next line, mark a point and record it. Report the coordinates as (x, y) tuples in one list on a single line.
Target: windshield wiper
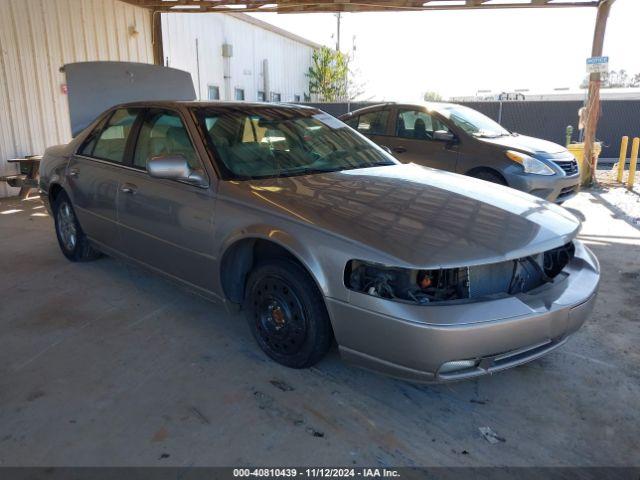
[(312, 171), (487, 135)]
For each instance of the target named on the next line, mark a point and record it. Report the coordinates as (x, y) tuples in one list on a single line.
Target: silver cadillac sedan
[(318, 234)]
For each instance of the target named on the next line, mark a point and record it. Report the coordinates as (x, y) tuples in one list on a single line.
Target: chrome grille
[(570, 167)]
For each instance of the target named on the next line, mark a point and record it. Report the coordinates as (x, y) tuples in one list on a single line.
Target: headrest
[(178, 136)]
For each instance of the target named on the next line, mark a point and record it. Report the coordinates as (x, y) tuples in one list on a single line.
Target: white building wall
[(37, 37), (289, 59)]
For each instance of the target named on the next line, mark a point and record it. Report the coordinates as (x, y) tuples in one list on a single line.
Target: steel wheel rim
[(67, 226), (279, 317)]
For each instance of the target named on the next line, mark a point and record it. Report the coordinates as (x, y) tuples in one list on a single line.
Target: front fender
[(283, 239)]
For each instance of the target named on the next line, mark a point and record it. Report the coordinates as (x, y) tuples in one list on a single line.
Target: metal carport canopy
[(310, 6), (315, 6)]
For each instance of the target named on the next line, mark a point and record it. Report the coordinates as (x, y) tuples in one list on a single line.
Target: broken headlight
[(403, 284), (492, 280)]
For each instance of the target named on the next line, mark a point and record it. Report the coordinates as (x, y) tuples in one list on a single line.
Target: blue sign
[(598, 64), (597, 60)]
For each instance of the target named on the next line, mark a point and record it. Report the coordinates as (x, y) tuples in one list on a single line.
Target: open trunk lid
[(94, 87)]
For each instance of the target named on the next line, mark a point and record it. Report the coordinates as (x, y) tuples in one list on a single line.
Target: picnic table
[(27, 179)]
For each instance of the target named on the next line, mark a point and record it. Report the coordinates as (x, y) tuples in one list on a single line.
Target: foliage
[(615, 79), (330, 76), (432, 97)]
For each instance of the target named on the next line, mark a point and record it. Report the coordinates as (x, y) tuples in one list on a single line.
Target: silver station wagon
[(318, 234)]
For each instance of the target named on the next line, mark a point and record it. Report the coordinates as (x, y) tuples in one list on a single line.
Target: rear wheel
[(286, 314), (73, 242), (489, 176)]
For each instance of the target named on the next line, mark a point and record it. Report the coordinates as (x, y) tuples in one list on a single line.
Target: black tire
[(287, 314), (72, 240), (488, 176)]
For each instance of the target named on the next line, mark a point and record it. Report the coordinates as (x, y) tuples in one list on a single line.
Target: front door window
[(418, 125), (163, 134)]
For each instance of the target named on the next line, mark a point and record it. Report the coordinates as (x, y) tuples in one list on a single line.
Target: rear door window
[(90, 142), (373, 123), (111, 144)]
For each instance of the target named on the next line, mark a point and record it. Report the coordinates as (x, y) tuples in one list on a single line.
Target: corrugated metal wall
[(37, 37), (289, 60)]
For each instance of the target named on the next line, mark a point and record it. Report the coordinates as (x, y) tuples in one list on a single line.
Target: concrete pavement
[(103, 364)]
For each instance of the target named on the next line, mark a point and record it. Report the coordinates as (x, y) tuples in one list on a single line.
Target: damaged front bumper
[(436, 343)]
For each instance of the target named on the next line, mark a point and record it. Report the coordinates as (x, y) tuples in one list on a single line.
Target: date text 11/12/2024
[(316, 472)]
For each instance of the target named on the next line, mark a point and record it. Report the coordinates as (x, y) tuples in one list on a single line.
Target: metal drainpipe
[(265, 79), (198, 70), (227, 52)]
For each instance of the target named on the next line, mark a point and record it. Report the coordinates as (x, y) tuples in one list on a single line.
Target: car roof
[(223, 104), (429, 106)]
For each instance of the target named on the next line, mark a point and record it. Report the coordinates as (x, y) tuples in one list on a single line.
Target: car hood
[(417, 216), (530, 145)]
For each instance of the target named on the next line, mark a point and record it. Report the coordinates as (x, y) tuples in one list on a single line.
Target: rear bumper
[(554, 188), (482, 332)]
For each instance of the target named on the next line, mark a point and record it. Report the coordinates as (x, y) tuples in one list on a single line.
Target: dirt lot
[(104, 364)]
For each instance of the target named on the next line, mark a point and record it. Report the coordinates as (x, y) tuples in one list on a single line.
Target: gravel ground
[(625, 203)]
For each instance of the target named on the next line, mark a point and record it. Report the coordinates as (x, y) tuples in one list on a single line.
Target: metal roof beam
[(308, 6)]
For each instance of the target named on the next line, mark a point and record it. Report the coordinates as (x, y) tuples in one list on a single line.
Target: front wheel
[(489, 176), (73, 242), (286, 314)]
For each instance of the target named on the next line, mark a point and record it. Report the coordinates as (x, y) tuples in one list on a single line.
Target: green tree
[(615, 79), (432, 97), (328, 75)]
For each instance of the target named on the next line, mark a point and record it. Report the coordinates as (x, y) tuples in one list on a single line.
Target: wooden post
[(593, 99), (158, 49)]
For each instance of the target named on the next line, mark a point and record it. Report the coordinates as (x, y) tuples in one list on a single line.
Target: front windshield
[(472, 121), (264, 142)]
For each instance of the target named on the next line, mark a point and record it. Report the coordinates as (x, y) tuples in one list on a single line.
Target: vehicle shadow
[(615, 210)]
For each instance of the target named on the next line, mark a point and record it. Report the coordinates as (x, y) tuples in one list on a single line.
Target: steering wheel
[(324, 159)]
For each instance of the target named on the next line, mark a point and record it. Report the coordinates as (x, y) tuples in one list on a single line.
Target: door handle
[(74, 172), (128, 188), (399, 149)]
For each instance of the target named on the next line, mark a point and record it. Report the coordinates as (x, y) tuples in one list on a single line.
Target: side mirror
[(443, 136), (173, 167), (386, 149)]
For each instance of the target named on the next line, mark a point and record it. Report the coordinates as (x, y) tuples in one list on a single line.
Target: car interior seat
[(420, 129), (178, 143)]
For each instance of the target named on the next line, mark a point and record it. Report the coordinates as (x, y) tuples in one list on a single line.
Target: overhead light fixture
[(444, 3)]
